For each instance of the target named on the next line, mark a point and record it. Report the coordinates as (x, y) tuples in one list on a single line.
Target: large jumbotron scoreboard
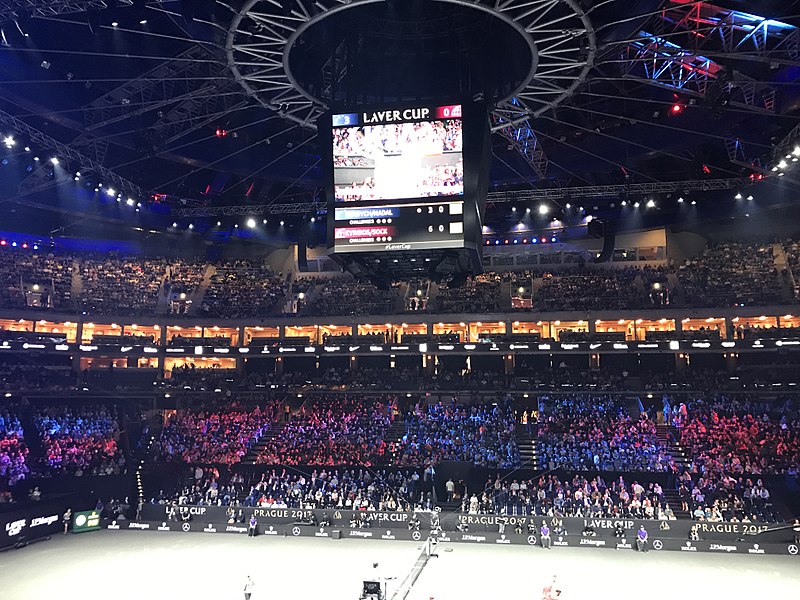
[(406, 178)]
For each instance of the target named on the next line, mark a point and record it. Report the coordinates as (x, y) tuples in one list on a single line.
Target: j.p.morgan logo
[(723, 548), (15, 527), (138, 525), (236, 529), (360, 534), (48, 520)]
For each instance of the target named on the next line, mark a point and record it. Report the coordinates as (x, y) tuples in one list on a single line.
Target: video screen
[(395, 161)]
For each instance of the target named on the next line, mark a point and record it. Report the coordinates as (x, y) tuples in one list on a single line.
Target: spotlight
[(54, 160), (624, 203), (313, 220), (9, 141), (513, 209), (77, 173), (264, 221), (27, 148), (543, 209), (281, 223), (76, 178), (251, 223), (114, 24), (569, 206), (680, 200), (635, 205), (143, 22), (191, 225), (694, 202), (738, 196), (174, 224), (783, 164), (36, 158), (651, 203), (796, 151), (527, 210), (110, 192), (676, 108), (130, 202), (750, 197), (219, 223)]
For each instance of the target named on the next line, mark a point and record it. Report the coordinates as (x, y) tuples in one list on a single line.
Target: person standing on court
[(248, 588), (66, 520)]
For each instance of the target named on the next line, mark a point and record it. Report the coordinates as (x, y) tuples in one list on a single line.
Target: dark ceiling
[(145, 91)]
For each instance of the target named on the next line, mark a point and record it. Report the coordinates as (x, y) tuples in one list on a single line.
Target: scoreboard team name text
[(392, 116)]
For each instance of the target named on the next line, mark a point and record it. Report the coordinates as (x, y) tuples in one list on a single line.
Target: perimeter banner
[(598, 532)]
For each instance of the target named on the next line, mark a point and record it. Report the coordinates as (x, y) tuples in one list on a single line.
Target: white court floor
[(130, 565)]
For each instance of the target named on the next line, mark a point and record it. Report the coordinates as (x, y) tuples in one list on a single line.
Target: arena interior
[(399, 299)]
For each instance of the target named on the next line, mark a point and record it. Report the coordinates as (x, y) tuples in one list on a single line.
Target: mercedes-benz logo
[(532, 540), (658, 544), (186, 527), (416, 536), (793, 549), (295, 531)]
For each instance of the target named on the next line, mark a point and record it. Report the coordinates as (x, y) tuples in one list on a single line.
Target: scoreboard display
[(405, 177)]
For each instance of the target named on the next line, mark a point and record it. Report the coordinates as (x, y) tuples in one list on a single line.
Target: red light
[(544, 240), (524, 240), (3, 242), (676, 108), (25, 245), (506, 241), (221, 132)]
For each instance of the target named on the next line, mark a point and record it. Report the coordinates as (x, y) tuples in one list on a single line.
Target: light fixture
[(110, 191), (651, 203), (219, 223), (143, 22), (251, 222), (635, 205), (750, 197), (680, 200), (130, 202), (54, 160), (114, 24), (191, 225), (783, 164), (174, 224), (543, 209), (738, 196), (281, 223), (9, 141)]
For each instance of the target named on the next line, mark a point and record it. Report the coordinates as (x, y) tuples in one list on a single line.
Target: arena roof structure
[(202, 112)]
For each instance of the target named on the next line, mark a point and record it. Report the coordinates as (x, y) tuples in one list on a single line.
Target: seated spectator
[(13, 451)]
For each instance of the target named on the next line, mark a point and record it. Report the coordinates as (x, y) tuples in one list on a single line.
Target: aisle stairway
[(526, 442), (273, 432), (199, 293)]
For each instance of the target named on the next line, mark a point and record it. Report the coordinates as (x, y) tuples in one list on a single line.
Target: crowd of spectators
[(740, 435), (590, 288), (345, 296), (731, 274), (480, 294), (584, 432), (80, 441), (209, 436), (333, 429), (550, 496), (483, 435), (13, 451), (121, 285), (243, 288), (335, 489), (48, 275)]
